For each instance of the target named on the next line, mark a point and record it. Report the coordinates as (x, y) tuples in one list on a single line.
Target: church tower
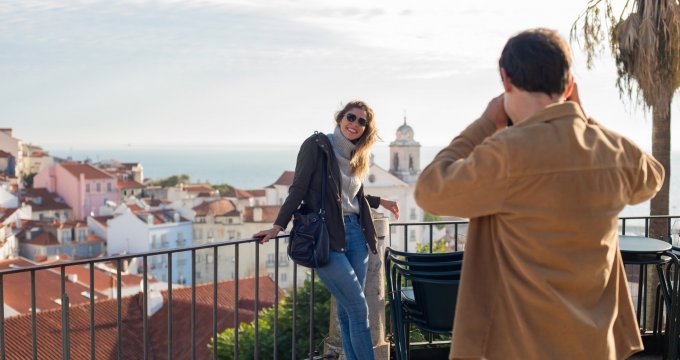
[(405, 155)]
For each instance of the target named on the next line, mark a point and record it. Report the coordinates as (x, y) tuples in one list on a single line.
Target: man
[(542, 277)]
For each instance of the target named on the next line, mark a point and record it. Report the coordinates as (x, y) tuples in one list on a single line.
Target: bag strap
[(324, 175)]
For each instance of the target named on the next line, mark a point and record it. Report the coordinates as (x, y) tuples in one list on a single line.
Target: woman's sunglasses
[(352, 118)]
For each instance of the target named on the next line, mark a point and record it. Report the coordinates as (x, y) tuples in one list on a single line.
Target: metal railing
[(455, 235), (118, 261), (630, 225)]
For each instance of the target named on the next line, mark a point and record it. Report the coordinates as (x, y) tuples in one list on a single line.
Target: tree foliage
[(173, 180), (223, 188), (438, 246), (645, 42), (284, 339), (27, 180)]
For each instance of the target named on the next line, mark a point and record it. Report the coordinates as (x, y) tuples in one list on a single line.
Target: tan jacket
[(542, 276)]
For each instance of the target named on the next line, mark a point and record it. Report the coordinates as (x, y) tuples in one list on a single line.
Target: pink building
[(84, 187)]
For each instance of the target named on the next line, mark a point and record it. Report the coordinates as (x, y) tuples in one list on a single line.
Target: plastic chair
[(429, 302)]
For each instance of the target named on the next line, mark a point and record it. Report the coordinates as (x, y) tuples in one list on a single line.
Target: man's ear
[(570, 87), (507, 84)]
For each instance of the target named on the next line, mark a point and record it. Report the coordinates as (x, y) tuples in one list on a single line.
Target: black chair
[(422, 290)]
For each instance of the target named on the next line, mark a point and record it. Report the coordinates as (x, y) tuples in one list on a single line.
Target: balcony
[(180, 321)]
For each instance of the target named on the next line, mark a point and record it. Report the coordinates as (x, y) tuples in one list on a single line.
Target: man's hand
[(574, 96), (495, 111)]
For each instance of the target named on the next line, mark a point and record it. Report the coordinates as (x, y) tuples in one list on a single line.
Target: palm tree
[(645, 41)]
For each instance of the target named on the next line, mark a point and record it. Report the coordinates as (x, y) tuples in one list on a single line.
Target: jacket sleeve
[(304, 168), (650, 177), (373, 201), (468, 177)]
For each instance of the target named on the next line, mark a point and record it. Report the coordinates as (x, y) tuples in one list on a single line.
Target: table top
[(642, 245)]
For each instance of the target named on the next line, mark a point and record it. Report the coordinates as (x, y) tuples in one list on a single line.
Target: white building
[(7, 199), (143, 231), (14, 147), (35, 159), (398, 184)]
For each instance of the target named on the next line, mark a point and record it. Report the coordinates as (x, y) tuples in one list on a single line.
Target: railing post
[(375, 290)]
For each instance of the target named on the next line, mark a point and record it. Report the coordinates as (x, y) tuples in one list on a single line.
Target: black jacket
[(307, 186)]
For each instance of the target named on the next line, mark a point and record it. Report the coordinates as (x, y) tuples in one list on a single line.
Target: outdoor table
[(643, 251)]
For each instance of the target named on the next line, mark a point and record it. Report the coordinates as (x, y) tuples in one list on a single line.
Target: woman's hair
[(361, 156)]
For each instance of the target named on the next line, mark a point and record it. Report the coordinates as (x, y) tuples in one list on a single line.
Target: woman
[(348, 216)]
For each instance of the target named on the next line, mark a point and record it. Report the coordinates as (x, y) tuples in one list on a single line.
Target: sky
[(184, 73)]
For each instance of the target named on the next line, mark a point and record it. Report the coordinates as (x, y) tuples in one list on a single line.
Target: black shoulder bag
[(309, 242)]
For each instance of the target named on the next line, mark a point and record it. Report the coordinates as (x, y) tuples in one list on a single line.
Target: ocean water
[(252, 167)]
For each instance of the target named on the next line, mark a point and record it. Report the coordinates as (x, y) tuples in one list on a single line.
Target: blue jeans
[(345, 277)]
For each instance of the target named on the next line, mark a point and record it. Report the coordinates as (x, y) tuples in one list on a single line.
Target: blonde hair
[(361, 156)]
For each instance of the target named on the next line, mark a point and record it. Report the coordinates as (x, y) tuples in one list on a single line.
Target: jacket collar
[(568, 109), (323, 141)]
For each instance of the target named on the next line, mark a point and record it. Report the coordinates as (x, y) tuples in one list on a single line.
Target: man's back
[(543, 276)]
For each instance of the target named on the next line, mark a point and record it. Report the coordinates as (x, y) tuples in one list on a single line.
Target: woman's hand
[(267, 235), (391, 206)]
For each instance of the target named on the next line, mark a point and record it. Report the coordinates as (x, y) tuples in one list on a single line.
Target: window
[(180, 238), (99, 187), (209, 259), (413, 214), (284, 277), (164, 240), (87, 188), (109, 187), (153, 241)]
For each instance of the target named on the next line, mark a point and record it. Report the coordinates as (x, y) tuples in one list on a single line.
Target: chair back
[(434, 278)]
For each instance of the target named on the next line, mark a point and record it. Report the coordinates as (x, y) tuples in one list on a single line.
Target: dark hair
[(361, 157), (537, 60)]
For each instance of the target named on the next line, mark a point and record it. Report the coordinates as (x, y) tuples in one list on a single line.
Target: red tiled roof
[(45, 238), (6, 213), (103, 280), (129, 184), (4, 154), (285, 179), (41, 199), (159, 216), (197, 188), (89, 171), (269, 213), (18, 329), (257, 192), (102, 219), (238, 193), (17, 288), (220, 207)]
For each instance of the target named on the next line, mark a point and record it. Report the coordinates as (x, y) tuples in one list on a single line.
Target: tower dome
[(405, 134), (405, 155)]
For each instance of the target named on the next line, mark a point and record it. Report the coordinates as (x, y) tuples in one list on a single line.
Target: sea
[(253, 167)]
